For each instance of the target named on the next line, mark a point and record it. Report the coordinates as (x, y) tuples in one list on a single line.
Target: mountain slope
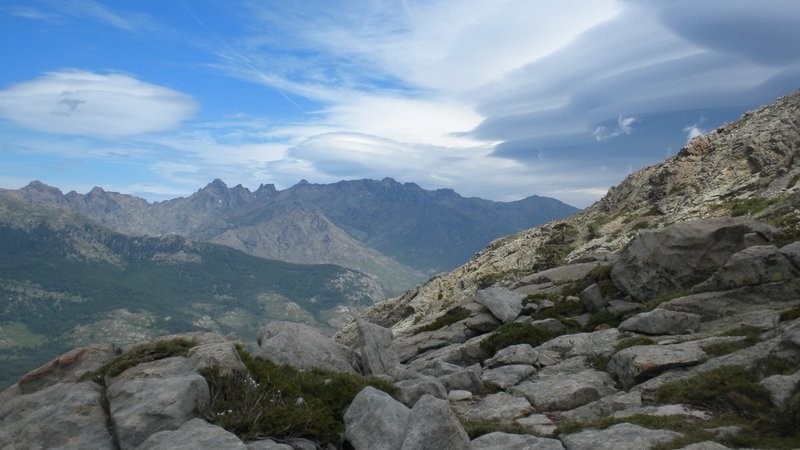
[(66, 281), (748, 167), (393, 231)]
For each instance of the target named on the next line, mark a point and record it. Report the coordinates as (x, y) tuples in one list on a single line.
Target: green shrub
[(139, 354), (633, 341), (515, 333), (790, 314), (601, 317), (747, 206), (793, 181), (450, 317), (751, 333), (664, 297), (283, 402), (726, 389), (561, 309)]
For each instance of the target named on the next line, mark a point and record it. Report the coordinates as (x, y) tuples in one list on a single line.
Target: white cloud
[(694, 130), (624, 127), (92, 104)]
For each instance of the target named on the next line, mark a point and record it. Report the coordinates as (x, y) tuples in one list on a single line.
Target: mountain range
[(103, 266), (397, 232)]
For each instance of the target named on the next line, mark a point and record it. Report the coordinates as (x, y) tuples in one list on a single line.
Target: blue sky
[(498, 99)]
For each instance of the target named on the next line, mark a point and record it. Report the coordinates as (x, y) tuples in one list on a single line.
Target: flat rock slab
[(603, 407), (636, 364), (64, 415), (507, 441), (623, 436), (514, 354), (501, 302), (583, 344), (499, 407), (67, 367), (563, 274), (566, 392), (507, 376), (662, 321), (155, 396), (194, 434)]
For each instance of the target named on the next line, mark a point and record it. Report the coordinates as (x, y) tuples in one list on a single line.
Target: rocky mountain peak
[(39, 192)]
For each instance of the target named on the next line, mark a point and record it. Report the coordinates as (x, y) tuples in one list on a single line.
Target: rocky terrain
[(689, 337), (396, 232)]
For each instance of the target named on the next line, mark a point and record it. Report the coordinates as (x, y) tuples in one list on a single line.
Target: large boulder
[(222, 355), (514, 354), (499, 407), (683, 254), (750, 267), (303, 347), (506, 441), (194, 434), (374, 420), (507, 376), (501, 302), (464, 380), (413, 389), (432, 424), (155, 396), (638, 363), (662, 321), (567, 391), (378, 355), (623, 436), (63, 415)]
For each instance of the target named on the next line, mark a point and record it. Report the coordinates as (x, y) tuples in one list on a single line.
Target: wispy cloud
[(90, 9)]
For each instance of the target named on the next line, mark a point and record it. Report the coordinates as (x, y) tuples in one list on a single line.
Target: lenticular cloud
[(92, 104)]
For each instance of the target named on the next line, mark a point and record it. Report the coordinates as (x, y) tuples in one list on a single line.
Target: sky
[(499, 99)]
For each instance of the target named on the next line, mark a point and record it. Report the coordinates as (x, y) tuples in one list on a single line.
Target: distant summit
[(397, 232)]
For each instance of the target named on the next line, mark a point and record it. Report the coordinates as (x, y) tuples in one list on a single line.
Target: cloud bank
[(92, 104)]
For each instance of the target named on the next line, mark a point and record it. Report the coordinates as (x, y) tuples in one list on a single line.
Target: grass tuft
[(515, 333), (272, 400), (450, 317)]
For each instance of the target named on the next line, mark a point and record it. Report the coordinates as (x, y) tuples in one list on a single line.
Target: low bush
[(139, 354), (601, 317), (633, 341), (272, 400), (515, 333), (450, 317), (790, 314)]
